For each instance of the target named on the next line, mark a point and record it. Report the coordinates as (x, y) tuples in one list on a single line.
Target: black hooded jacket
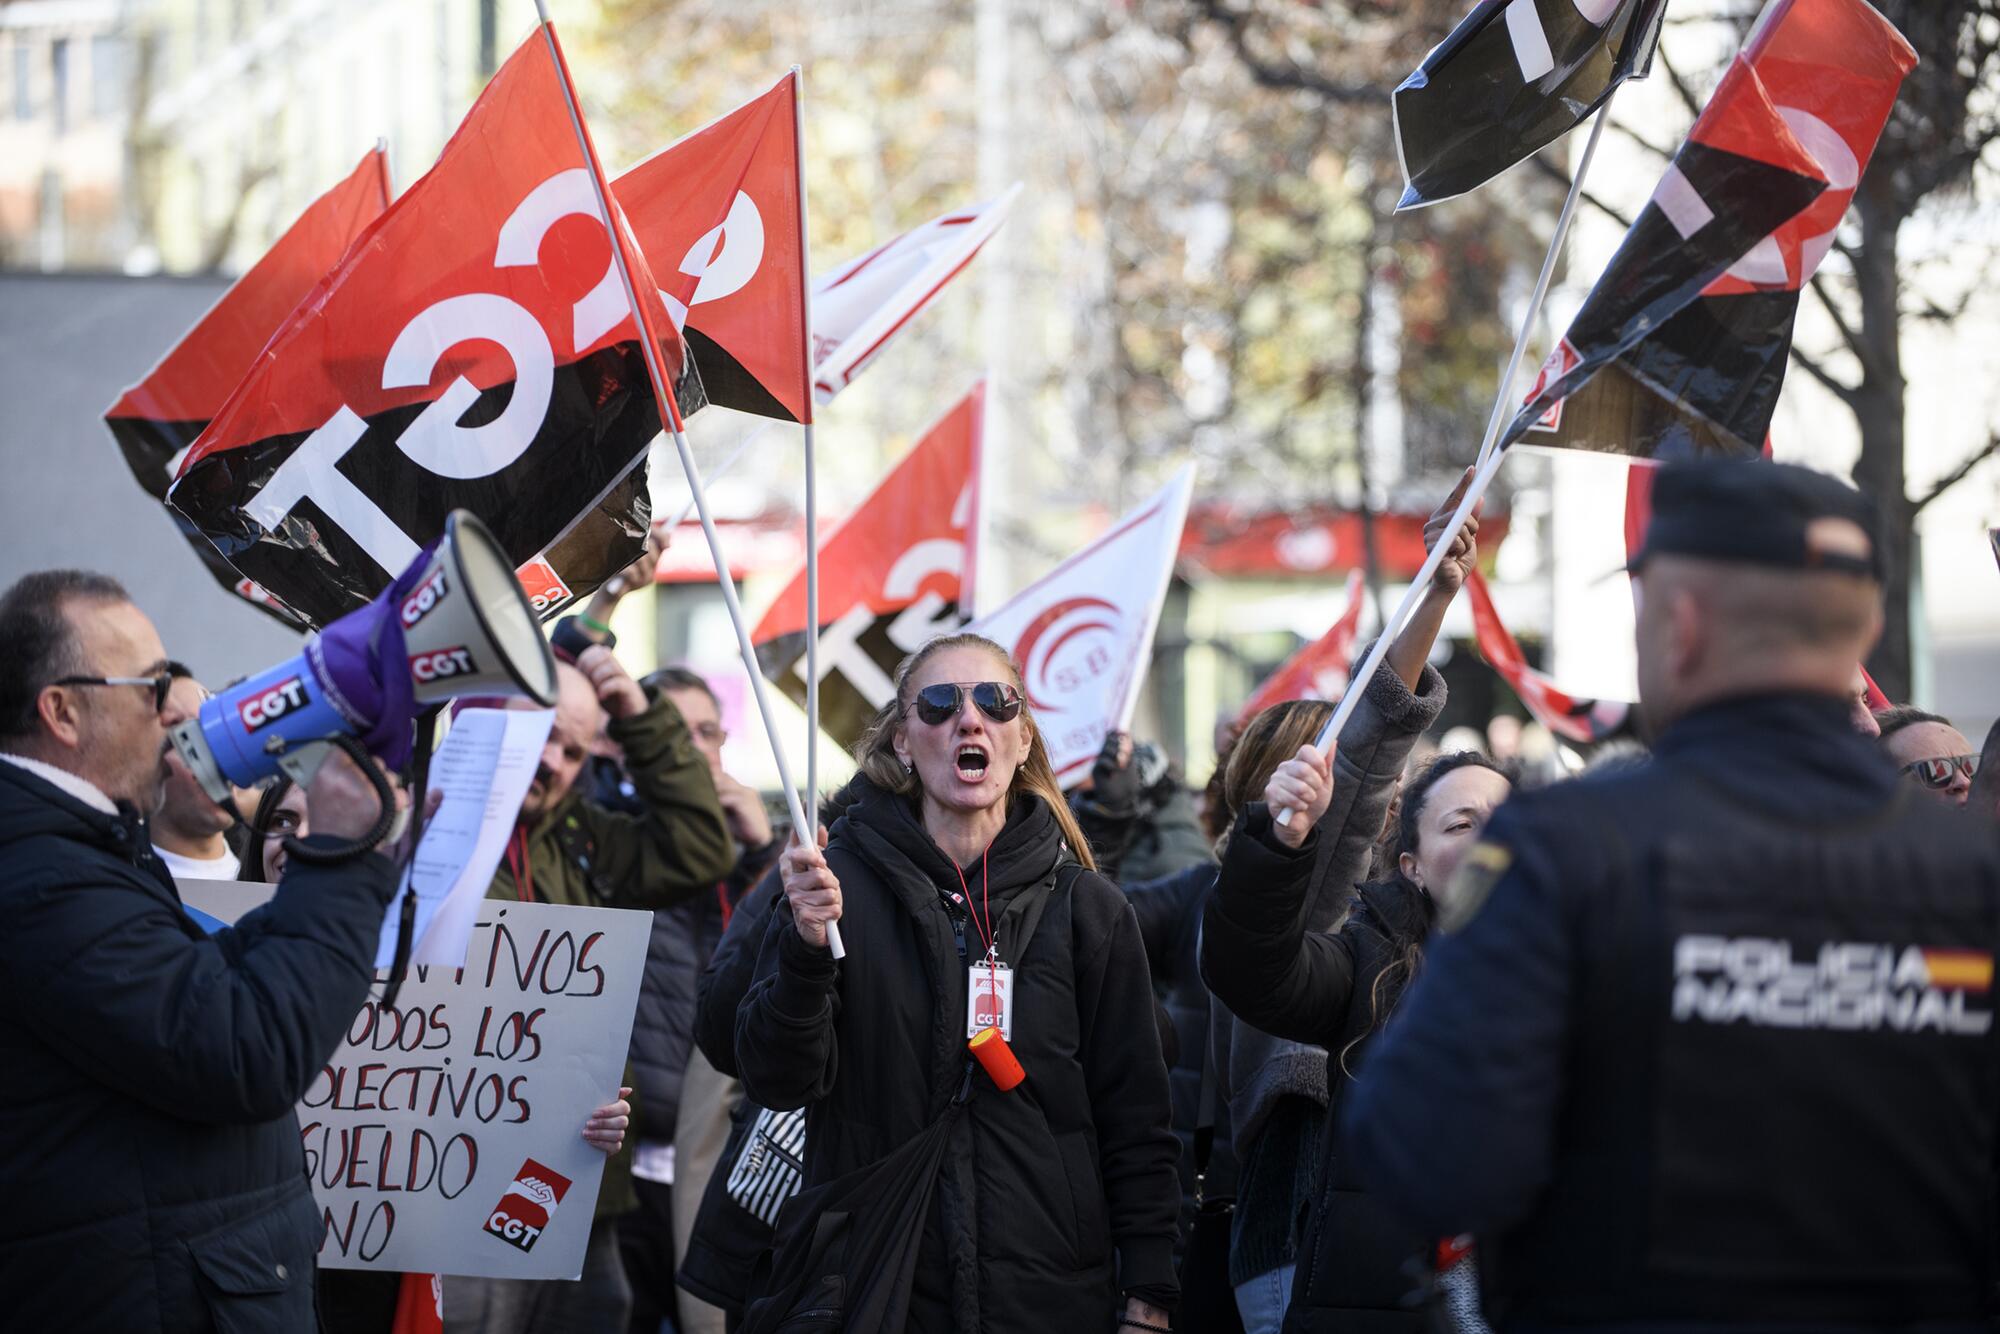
[(1332, 989), (1040, 1184), (148, 1143)]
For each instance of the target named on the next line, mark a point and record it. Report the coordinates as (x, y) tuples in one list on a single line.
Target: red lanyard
[(987, 931), (523, 868)]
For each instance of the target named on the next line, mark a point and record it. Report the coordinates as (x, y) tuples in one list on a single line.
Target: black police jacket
[(1054, 1196), (1709, 1043), (148, 1074)]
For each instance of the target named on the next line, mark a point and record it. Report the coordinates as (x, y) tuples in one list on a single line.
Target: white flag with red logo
[(1083, 633), (867, 301), (718, 217)]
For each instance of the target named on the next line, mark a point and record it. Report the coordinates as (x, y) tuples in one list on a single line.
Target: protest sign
[(445, 1135)]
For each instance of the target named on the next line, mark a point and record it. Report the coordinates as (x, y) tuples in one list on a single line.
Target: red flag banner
[(1688, 332), (866, 302), (158, 418), (1579, 721), (474, 349), (718, 215), (892, 576), (1320, 669)]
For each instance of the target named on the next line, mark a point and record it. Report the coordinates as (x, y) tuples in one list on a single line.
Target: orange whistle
[(991, 1051)]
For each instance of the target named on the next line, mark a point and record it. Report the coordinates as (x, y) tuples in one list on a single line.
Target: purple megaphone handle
[(363, 663)]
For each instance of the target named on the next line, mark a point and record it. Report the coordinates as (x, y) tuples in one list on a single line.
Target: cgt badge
[(524, 1211)]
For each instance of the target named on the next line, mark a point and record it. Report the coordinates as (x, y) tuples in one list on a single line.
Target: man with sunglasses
[(1929, 751), (155, 1178)]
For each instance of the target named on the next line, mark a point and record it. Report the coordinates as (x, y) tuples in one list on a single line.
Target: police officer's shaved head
[(1754, 577)]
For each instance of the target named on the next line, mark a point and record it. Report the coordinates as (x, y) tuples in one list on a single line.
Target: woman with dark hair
[(958, 872), (1337, 989)]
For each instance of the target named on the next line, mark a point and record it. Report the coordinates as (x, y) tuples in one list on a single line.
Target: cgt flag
[(1513, 77), (891, 577), (1083, 633), (718, 214), (867, 301), (474, 349), (1320, 669), (157, 419), (1701, 372), (1579, 721)]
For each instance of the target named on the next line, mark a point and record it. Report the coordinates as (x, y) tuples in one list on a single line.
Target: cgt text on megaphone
[(454, 623)]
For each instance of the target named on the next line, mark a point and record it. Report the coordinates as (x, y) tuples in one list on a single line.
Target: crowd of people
[(1365, 1036)]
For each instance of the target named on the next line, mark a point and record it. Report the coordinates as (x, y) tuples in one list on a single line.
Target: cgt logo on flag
[(524, 1211)]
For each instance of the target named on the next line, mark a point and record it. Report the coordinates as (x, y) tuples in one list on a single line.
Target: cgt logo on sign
[(545, 589), (524, 1211), (441, 664), (260, 711), (425, 597)]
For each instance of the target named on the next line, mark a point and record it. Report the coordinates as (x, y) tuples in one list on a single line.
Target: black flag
[(1512, 78)]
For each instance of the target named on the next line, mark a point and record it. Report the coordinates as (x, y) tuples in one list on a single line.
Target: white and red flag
[(157, 419), (892, 576), (1083, 633), (1320, 669), (475, 349), (719, 217), (866, 302)]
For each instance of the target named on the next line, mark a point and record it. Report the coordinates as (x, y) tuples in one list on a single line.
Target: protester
[(1337, 989), (957, 856), (1929, 751), (1309, 893), (154, 1171), (1706, 1044), (365, 1301), (190, 832), (685, 1104), (567, 850), (1138, 816)]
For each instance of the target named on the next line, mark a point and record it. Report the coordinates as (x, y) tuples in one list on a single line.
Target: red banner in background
[(1226, 539), (1574, 719)]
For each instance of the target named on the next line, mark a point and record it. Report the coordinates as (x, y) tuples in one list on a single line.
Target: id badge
[(989, 999)]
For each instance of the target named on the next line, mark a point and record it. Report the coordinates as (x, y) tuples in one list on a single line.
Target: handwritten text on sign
[(444, 1135)]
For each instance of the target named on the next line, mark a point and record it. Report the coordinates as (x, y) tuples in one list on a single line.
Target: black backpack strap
[(1204, 1122)]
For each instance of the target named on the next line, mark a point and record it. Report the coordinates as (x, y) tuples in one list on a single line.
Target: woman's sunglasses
[(941, 703), (1942, 771)]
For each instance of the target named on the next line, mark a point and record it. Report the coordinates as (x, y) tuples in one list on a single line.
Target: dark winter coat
[(1332, 990), (148, 1073), (1045, 1188)]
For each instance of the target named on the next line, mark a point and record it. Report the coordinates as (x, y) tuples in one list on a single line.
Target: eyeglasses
[(1942, 771), (161, 684), (996, 699)]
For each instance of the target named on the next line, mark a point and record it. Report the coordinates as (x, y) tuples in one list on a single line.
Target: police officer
[(1710, 1042)]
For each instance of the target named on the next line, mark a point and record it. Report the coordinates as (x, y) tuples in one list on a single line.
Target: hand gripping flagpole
[(650, 347), (1489, 458)]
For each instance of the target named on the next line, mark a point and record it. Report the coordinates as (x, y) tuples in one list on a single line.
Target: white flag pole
[(812, 486), (649, 346), (1505, 397), (1489, 458)]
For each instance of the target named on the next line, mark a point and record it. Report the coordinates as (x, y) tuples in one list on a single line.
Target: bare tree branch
[(1682, 88), (1562, 178), (1959, 474), (1284, 73), (1846, 393)]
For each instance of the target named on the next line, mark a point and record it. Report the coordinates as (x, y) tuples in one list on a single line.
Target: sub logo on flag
[(523, 1213)]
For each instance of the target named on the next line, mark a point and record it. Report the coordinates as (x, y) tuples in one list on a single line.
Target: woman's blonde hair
[(1271, 738), (875, 753)]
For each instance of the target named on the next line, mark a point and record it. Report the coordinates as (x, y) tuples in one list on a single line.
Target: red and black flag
[(894, 575), (1320, 669), (158, 418), (475, 349), (1688, 332), (718, 215), (1513, 77), (1576, 720)]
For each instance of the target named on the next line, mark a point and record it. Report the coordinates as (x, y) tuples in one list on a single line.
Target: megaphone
[(454, 623)]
